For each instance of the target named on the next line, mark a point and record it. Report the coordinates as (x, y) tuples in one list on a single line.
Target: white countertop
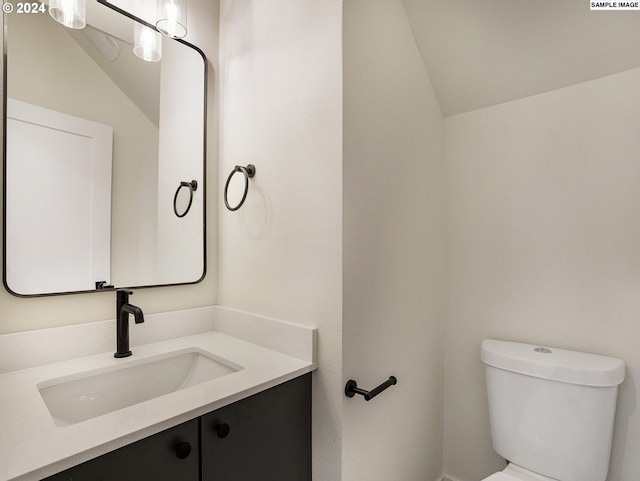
[(33, 447)]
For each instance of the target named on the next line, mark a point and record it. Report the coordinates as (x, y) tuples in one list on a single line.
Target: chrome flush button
[(542, 350)]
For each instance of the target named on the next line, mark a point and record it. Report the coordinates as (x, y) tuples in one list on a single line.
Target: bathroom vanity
[(266, 436), (201, 394), (209, 393)]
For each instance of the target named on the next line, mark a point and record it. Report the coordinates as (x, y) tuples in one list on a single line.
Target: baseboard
[(446, 477)]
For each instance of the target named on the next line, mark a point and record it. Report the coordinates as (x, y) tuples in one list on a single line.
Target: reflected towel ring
[(249, 171), (193, 186)]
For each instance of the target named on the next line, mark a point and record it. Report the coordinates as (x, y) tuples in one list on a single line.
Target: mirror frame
[(4, 168)]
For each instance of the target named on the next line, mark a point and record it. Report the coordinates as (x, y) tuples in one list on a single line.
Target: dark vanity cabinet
[(168, 455), (264, 437)]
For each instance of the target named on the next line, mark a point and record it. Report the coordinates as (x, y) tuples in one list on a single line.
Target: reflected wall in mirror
[(97, 141)]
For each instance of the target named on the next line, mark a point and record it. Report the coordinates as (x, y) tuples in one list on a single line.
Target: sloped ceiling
[(138, 80), (484, 52)]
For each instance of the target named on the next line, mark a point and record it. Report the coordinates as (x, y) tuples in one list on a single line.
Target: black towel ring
[(249, 171), (193, 186)]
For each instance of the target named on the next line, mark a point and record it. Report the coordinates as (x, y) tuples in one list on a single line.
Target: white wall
[(18, 314), (393, 249), (280, 254), (544, 247)]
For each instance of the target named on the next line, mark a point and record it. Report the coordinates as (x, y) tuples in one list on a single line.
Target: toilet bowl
[(541, 401)]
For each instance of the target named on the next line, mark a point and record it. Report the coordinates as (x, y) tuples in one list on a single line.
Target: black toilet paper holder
[(351, 388)]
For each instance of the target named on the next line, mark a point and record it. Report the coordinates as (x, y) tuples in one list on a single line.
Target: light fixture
[(70, 13), (172, 18), (147, 43)]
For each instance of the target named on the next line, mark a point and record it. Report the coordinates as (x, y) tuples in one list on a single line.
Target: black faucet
[(123, 309)]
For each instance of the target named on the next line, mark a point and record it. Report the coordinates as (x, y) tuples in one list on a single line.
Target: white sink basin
[(76, 398)]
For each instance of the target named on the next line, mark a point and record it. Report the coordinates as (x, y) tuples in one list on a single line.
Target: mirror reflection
[(98, 140)]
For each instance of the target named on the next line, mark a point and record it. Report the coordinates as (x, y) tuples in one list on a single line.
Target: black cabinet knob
[(183, 450), (223, 430)]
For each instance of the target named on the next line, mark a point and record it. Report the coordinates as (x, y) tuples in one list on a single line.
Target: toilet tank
[(552, 410)]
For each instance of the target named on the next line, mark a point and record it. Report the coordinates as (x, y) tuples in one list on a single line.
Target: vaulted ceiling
[(484, 52), (138, 80)]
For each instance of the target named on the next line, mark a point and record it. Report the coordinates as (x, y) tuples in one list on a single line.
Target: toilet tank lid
[(554, 364)]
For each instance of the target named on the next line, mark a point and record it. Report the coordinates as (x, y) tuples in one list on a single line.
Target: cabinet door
[(264, 437), (163, 456)]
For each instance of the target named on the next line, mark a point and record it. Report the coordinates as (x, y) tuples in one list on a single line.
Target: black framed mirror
[(96, 138)]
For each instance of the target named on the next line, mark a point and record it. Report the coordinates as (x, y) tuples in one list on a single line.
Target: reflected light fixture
[(147, 43), (172, 18), (70, 13)]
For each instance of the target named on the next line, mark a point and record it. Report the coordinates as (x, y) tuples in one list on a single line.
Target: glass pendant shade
[(70, 13), (147, 43), (172, 18)]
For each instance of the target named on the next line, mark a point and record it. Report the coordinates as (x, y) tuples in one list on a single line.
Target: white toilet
[(552, 411)]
